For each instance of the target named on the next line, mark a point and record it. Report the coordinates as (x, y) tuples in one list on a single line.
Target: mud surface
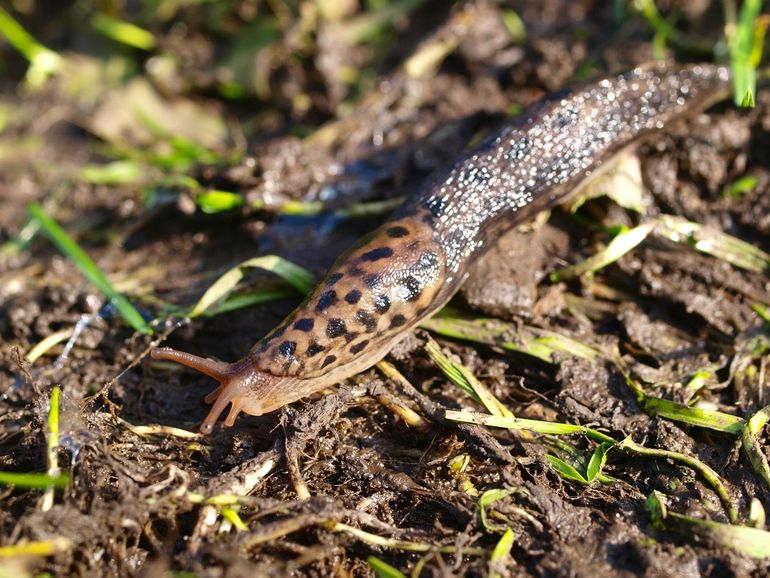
[(136, 501)]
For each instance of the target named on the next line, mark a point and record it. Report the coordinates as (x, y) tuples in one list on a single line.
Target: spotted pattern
[(304, 324), (413, 264), (367, 300)]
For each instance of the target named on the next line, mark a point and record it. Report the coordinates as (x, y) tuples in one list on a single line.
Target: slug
[(408, 268)]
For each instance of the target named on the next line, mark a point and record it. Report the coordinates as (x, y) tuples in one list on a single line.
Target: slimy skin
[(408, 268)]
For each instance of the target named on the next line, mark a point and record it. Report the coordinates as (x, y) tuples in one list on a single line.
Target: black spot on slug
[(329, 359), (398, 321), (355, 271), (366, 319), (397, 231), (326, 300), (382, 303), (359, 347), (350, 336), (305, 324), (372, 280), (287, 348), (411, 289), (377, 254), (436, 206), (429, 260), (314, 349), (335, 328), (333, 278), (353, 297)]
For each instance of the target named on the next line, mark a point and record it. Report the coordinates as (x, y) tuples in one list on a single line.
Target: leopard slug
[(412, 265)]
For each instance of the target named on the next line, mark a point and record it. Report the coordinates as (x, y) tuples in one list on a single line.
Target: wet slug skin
[(412, 265)]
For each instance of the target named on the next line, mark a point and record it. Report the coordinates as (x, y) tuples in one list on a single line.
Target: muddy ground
[(136, 505)]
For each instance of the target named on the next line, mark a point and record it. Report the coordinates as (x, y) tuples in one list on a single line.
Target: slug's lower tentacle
[(237, 383), (412, 265)]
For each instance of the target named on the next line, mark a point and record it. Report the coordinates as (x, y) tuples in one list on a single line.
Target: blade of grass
[(486, 500), (704, 470), (753, 447), (41, 548), (115, 173), (52, 446), (242, 300), (230, 513), (89, 269), (751, 542), (656, 406), (33, 480), (501, 554), (713, 242), (382, 569), (621, 244), (566, 470), (123, 32), (463, 378), (408, 545), (533, 425), (745, 49), (46, 343), (300, 278), (43, 61), (532, 341)]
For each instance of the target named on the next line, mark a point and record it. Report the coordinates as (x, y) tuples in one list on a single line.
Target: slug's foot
[(237, 385)]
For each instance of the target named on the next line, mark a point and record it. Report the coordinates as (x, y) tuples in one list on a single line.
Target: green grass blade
[(89, 269), (566, 470), (463, 378), (704, 470), (123, 172), (486, 500), (533, 425), (300, 278), (383, 569), (597, 461), (501, 553), (748, 541), (41, 548), (533, 341), (123, 32), (212, 202), (745, 48), (753, 447), (243, 300), (43, 61), (52, 446), (739, 187), (713, 242), (621, 244), (33, 480)]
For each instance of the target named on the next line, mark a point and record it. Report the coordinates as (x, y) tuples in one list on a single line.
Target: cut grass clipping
[(89, 269)]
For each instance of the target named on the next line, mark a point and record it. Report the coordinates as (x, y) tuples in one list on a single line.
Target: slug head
[(240, 384)]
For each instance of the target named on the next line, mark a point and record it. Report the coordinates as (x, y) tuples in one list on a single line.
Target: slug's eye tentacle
[(211, 367), (236, 382)]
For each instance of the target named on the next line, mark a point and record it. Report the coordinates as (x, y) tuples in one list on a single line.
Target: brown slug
[(412, 265)]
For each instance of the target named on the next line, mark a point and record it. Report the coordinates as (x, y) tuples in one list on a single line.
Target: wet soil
[(135, 505)]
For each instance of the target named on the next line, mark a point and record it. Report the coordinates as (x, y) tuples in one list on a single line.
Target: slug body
[(412, 265)]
